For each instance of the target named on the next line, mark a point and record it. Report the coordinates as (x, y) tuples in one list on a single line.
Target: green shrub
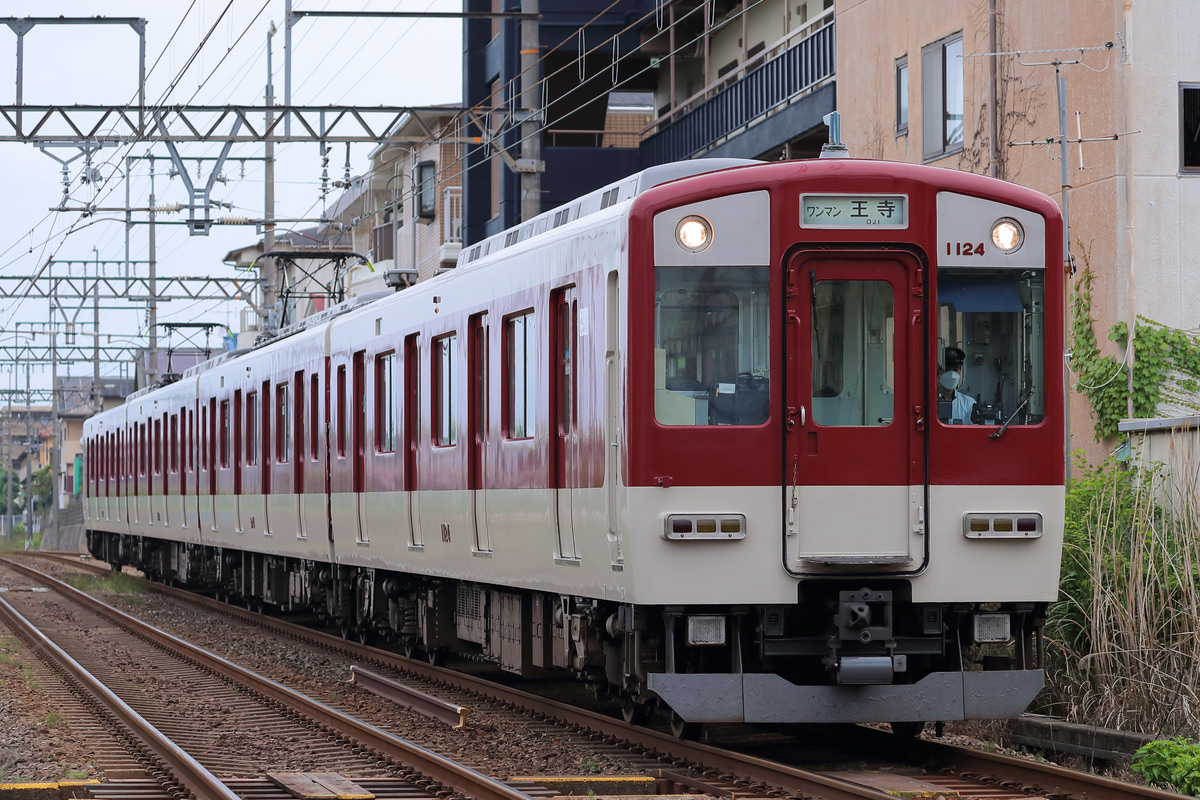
[(1172, 763)]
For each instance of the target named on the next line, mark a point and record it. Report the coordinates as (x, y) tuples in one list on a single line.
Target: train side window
[(341, 411), (445, 389), (252, 428), (204, 437), (853, 328), (991, 346), (712, 345), (226, 434), (314, 417), (298, 428), (520, 376), (156, 448), (385, 402), (283, 428), (174, 443)]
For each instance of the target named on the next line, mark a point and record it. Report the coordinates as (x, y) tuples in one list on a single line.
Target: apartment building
[(1121, 82)]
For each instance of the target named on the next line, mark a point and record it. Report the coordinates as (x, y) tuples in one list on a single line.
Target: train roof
[(598, 200)]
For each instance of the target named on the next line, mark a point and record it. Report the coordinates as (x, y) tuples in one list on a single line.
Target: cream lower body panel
[(521, 531), (522, 545), (992, 570)]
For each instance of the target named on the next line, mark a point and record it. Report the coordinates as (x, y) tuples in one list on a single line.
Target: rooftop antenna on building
[(835, 148)]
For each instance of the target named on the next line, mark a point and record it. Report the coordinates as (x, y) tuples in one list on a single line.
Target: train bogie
[(771, 443)]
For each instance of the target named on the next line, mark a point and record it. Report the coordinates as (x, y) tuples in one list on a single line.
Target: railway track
[(132, 677), (748, 763)]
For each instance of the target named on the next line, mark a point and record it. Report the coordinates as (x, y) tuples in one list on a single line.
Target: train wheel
[(907, 730), (682, 729), (633, 712), (411, 647), (436, 656), (364, 635)]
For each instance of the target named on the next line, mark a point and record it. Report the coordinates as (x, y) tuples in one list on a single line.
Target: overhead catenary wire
[(410, 194), (450, 172), (105, 189)]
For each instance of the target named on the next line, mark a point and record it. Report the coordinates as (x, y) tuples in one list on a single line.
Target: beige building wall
[(1128, 204)]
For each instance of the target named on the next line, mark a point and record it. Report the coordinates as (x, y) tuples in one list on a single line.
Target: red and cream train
[(692, 437)]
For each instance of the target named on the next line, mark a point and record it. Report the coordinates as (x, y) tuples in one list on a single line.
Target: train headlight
[(1007, 235), (694, 233)]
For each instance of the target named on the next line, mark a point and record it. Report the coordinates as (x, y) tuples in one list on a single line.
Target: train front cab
[(850, 544)]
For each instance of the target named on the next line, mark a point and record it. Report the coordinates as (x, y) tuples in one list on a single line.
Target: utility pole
[(531, 141), (29, 459), (97, 401), (268, 267), (8, 459), (52, 511), (152, 301)]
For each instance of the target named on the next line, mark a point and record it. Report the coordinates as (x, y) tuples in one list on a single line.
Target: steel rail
[(453, 715), (753, 769), (190, 773), (1048, 777), (445, 771)]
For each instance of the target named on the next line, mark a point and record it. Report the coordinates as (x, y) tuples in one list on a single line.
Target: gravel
[(38, 743)]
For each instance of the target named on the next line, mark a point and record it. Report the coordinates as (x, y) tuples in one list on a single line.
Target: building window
[(283, 428), (520, 377), (1189, 118), (385, 402), (942, 97), (426, 190), (445, 387), (902, 95)]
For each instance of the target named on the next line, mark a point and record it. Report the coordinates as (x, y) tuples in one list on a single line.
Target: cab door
[(854, 471)]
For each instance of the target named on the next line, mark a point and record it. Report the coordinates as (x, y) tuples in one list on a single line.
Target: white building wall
[(1166, 269)]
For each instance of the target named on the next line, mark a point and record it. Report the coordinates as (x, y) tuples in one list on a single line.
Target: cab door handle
[(792, 413)]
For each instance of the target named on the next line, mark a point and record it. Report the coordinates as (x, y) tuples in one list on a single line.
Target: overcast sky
[(334, 61)]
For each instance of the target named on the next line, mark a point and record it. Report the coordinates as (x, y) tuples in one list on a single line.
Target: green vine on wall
[(1166, 365)]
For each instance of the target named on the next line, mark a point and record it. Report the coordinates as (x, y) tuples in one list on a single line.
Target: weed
[(9, 647), (53, 720), (336, 695), (589, 765), (114, 582), (1120, 644), (75, 775)]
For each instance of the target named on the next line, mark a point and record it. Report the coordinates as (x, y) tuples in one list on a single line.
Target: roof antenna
[(835, 148)]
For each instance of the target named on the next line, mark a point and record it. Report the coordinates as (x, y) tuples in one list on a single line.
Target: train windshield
[(991, 346), (711, 345)]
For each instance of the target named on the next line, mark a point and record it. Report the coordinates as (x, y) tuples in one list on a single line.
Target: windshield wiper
[(1009, 421)]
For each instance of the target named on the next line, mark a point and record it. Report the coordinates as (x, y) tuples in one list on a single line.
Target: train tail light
[(705, 526), (992, 628), (706, 630)]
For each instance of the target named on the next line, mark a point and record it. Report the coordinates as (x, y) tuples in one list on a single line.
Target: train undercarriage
[(842, 643)]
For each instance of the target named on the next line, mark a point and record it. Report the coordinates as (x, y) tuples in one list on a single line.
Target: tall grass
[(1122, 643)]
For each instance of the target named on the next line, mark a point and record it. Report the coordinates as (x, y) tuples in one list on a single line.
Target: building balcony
[(732, 105)]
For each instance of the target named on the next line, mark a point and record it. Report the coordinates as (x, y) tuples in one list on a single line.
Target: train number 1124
[(964, 249)]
